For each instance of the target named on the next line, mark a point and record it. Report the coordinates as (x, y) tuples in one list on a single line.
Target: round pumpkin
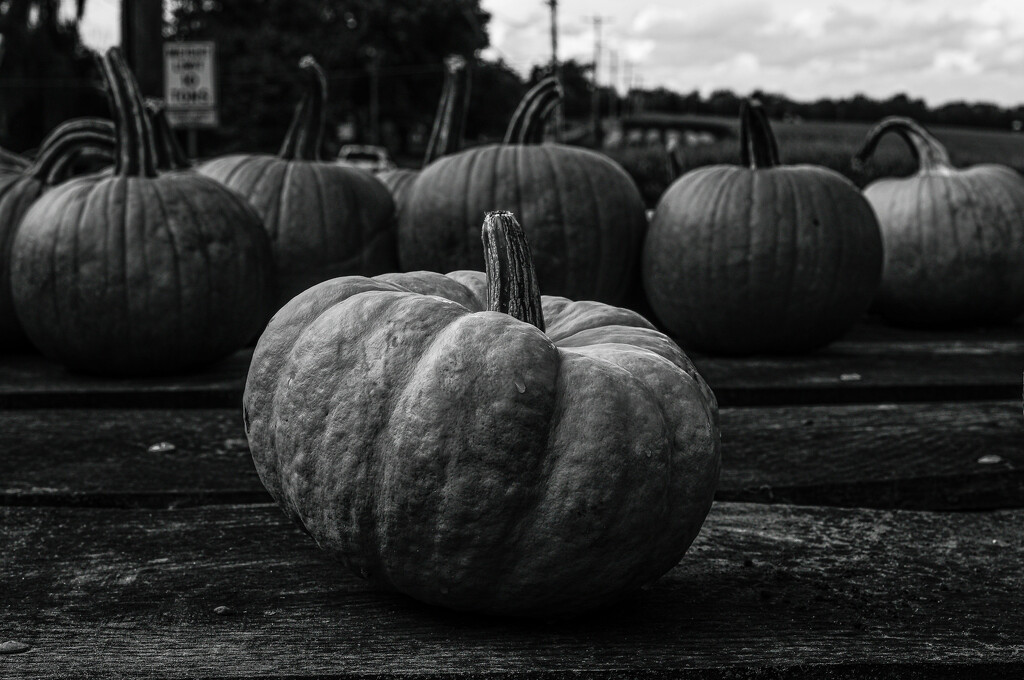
[(954, 238), (582, 212), (764, 258), (465, 441), (139, 273), (324, 219), (20, 189), (446, 135)]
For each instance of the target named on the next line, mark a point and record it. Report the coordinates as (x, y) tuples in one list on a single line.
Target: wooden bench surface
[(838, 546)]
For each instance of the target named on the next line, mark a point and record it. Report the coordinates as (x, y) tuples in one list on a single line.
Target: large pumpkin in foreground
[(583, 214), (324, 219), (954, 238), (139, 272), (483, 460), (765, 258)]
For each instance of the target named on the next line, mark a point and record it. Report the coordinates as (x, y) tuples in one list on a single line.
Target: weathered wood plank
[(871, 366), (923, 456), (766, 592), (30, 381)]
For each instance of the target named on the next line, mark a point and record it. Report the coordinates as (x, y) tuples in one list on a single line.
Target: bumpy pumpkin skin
[(954, 246), (324, 220), (17, 193), (583, 215), (470, 460), (778, 260), (120, 275)]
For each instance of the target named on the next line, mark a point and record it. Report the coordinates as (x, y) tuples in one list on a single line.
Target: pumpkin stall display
[(463, 440), (324, 219), (20, 189), (583, 214), (139, 272), (446, 134), (764, 258), (954, 238)]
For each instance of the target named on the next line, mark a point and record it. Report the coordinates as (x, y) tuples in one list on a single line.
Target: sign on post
[(189, 87)]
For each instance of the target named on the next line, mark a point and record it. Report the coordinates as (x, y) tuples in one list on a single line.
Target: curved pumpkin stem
[(63, 168), (515, 126), (136, 152), (169, 154), (450, 121), (305, 135), (930, 154), (12, 161), (512, 286), (538, 115), (50, 164), (757, 141)]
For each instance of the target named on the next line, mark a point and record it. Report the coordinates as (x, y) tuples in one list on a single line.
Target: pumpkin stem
[(169, 154), (51, 165), (450, 121), (673, 160), (136, 151), (515, 126), (512, 286), (63, 168), (757, 141), (306, 133), (930, 154), (11, 160), (537, 116)]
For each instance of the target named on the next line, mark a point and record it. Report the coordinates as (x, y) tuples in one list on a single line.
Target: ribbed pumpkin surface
[(582, 213), (954, 246), (769, 260), (17, 192), (324, 220)]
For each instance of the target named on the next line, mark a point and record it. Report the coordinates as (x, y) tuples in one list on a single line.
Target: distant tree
[(44, 71), (496, 90), (260, 42)]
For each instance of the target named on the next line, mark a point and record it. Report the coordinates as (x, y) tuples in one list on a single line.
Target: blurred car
[(372, 158)]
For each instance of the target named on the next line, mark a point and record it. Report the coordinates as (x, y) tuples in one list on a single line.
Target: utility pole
[(142, 25), (595, 103), (627, 67), (556, 70), (613, 75)]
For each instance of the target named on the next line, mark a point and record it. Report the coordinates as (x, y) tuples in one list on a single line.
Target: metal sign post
[(190, 88)]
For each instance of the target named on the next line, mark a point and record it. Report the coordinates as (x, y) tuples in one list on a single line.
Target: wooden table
[(869, 524)]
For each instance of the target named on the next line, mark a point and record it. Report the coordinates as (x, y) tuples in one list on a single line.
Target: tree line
[(382, 55)]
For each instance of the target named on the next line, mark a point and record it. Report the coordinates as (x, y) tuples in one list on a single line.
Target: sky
[(938, 50)]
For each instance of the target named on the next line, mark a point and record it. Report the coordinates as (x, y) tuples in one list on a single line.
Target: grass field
[(829, 144)]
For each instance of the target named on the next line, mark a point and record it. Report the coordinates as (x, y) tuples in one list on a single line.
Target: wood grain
[(765, 592), (923, 456), (873, 366)]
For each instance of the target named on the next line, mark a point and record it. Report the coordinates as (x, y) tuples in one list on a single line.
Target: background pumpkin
[(764, 258), (20, 189), (582, 212), (324, 219), (954, 239), (445, 136), (514, 470), (139, 273)]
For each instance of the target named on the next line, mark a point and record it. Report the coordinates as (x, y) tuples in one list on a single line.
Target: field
[(829, 144)]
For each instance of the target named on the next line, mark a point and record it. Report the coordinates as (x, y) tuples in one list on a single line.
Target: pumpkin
[(12, 162), (324, 219), (764, 258), (139, 272), (446, 135), (18, 190), (954, 238), (469, 443), (582, 212)]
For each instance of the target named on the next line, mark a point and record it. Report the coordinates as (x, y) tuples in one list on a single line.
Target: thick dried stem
[(512, 286)]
